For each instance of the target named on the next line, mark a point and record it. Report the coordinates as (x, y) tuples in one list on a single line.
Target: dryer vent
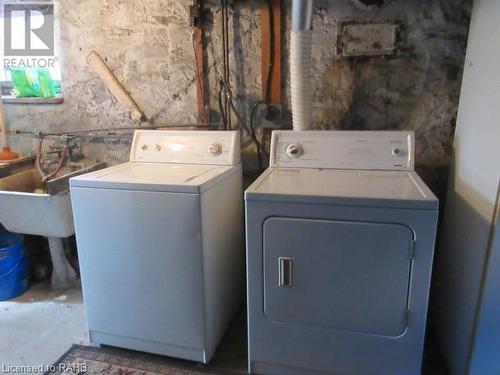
[(300, 63)]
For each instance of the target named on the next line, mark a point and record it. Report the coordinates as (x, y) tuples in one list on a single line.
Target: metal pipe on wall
[(302, 15)]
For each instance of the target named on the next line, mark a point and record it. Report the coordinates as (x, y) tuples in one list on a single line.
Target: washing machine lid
[(166, 177), (372, 188)]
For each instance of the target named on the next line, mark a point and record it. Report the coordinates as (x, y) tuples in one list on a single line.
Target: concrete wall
[(148, 45)]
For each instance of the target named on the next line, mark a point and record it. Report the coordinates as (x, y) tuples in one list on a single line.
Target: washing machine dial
[(215, 149), (158, 147), (144, 147), (294, 150)]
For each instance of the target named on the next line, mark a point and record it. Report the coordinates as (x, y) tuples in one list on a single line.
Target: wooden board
[(12, 166), (200, 75), (275, 31)]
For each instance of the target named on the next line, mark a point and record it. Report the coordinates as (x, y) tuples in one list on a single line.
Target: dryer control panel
[(344, 149), (186, 147)]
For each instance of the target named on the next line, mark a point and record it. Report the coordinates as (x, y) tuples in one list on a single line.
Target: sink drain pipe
[(300, 64), (63, 275)]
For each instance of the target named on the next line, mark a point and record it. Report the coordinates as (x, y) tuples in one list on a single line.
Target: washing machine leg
[(63, 275)]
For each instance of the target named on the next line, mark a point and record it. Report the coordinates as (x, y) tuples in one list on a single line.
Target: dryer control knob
[(294, 150), (215, 149), (396, 151), (144, 147), (158, 147)]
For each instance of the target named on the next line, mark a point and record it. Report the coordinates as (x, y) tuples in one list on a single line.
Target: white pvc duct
[(300, 64)]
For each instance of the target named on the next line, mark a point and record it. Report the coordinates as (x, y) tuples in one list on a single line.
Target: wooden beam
[(200, 74), (271, 36)]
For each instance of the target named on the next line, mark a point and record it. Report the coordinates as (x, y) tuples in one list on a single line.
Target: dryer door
[(350, 276)]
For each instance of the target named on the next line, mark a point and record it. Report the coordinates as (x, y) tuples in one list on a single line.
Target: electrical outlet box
[(270, 117), (368, 39)]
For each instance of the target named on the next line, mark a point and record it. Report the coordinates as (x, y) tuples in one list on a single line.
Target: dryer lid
[(178, 178), (396, 189)]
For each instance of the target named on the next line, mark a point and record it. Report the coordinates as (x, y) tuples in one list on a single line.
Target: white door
[(350, 276)]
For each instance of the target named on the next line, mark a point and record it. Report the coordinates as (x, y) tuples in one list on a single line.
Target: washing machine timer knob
[(294, 150), (215, 149)]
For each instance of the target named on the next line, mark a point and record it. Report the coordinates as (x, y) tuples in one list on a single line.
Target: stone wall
[(148, 45)]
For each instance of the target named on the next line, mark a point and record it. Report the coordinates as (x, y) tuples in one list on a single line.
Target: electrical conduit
[(300, 63)]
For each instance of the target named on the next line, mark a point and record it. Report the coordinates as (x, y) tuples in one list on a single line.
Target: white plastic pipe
[(300, 64)]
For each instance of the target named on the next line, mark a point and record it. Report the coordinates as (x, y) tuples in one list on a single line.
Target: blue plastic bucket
[(14, 279)]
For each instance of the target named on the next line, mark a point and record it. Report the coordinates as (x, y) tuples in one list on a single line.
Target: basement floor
[(40, 326)]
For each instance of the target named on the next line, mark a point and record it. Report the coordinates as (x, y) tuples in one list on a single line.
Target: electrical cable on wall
[(221, 105), (267, 91), (225, 62), (226, 101), (260, 145)]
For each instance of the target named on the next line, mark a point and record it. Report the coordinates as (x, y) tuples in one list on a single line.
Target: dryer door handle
[(284, 272)]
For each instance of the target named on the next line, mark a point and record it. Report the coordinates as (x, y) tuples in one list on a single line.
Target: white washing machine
[(160, 243), (340, 244)]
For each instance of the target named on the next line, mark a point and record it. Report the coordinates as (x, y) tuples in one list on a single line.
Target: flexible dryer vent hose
[(301, 87), (300, 64)]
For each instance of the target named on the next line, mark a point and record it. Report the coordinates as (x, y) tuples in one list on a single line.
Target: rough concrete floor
[(39, 326)]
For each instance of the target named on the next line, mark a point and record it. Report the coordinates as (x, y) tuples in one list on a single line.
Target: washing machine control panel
[(215, 148), (372, 150), (189, 147)]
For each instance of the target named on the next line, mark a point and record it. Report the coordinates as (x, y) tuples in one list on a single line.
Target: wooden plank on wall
[(267, 33), (200, 69)]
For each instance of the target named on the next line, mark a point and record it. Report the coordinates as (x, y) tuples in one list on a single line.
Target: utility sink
[(26, 207), (29, 206)]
